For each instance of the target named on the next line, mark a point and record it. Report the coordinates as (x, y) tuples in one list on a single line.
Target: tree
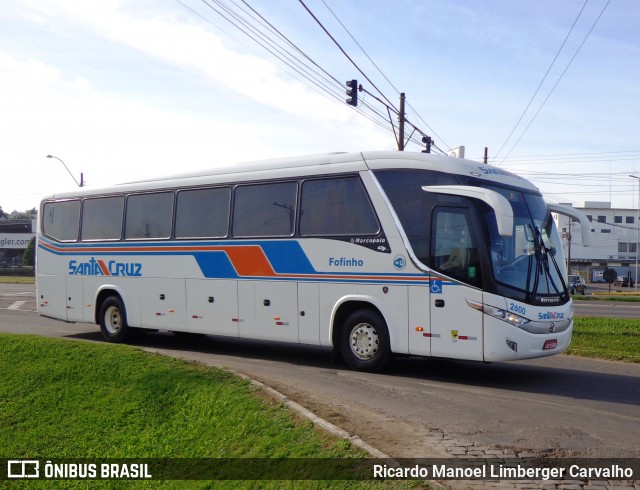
[(3, 214), (25, 214), (29, 256)]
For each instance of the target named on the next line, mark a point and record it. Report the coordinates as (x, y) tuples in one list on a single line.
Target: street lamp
[(81, 183), (637, 230)]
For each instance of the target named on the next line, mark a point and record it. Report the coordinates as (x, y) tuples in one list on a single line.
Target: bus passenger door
[(456, 329), (268, 310), (212, 306)]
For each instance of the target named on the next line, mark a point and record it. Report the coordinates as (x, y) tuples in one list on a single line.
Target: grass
[(606, 338), (68, 399)]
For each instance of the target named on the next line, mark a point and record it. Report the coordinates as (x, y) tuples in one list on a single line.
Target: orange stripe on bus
[(250, 261), (104, 268)]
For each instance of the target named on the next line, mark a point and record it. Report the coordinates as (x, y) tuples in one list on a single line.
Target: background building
[(15, 236), (614, 241)]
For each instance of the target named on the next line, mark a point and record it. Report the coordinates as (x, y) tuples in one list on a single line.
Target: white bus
[(373, 253)]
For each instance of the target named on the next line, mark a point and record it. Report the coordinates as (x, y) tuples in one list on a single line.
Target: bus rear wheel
[(113, 320), (364, 341)]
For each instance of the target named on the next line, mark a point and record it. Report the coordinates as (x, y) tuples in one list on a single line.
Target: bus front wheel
[(364, 341), (113, 320)]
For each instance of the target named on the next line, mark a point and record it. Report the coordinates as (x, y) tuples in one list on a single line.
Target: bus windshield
[(530, 260), (528, 265)]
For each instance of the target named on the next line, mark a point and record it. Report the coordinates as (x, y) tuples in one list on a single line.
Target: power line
[(344, 52), (381, 72), (361, 48), (559, 79), (387, 102), (295, 61), (276, 43), (272, 47), (543, 78), (576, 154), (574, 161), (291, 43)]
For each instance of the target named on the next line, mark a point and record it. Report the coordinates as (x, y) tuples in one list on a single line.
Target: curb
[(318, 421), (300, 410), (326, 425), (315, 419)]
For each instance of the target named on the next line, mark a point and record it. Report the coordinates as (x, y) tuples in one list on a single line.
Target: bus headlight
[(499, 313)]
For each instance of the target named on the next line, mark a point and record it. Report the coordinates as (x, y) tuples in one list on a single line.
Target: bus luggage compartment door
[(75, 300), (52, 296), (163, 303), (268, 310), (212, 306)]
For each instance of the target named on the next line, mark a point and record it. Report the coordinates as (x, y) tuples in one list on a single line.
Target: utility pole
[(402, 120), (401, 124), (637, 220), (569, 247)]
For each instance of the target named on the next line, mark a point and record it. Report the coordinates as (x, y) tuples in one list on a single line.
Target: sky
[(121, 90)]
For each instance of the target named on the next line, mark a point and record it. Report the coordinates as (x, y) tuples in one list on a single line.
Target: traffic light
[(427, 141), (352, 92)]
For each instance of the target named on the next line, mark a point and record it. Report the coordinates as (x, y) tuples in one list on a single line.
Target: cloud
[(185, 43), (83, 108)]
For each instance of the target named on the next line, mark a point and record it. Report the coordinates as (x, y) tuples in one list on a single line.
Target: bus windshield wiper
[(559, 272), (537, 242), (543, 253)]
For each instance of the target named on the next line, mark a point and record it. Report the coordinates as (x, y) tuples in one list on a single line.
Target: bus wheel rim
[(113, 320), (364, 341)]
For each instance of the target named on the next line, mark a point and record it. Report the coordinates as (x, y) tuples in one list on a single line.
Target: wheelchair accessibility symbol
[(436, 286)]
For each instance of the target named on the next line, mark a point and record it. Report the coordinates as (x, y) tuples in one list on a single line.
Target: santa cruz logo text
[(95, 267), (550, 315)]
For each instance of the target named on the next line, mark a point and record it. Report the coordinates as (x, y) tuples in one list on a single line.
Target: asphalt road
[(611, 309), (560, 405)]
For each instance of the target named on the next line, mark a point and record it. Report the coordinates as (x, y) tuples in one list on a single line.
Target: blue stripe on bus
[(215, 265)]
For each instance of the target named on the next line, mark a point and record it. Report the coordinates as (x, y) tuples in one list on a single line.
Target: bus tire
[(364, 341), (113, 320)]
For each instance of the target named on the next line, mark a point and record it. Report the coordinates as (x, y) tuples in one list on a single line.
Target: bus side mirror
[(500, 205), (585, 225)]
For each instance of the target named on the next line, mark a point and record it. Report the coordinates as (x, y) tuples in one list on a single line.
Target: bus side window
[(203, 213), (335, 207), (264, 210), (61, 220), (102, 218), (149, 215)]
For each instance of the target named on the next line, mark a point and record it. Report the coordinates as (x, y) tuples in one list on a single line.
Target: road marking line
[(16, 305)]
